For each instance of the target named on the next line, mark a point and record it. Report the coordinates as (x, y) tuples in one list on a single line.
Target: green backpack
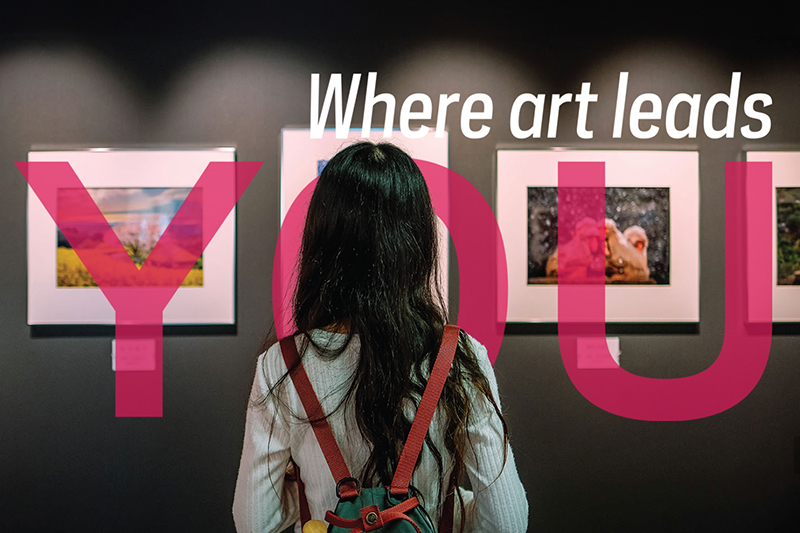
[(390, 509)]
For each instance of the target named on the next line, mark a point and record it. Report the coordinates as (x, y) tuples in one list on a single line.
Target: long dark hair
[(369, 266)]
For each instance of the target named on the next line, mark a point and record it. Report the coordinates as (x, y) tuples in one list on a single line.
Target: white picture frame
[(785, 174), (300, 155), (676, 302), (211, 304)]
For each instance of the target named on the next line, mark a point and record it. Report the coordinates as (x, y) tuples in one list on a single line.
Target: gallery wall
[(67, 464)]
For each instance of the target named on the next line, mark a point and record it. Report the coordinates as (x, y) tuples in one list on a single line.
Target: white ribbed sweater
[(265, 503)]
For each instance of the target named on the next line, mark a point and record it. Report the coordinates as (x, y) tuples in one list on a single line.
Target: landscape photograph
[(138, 217)]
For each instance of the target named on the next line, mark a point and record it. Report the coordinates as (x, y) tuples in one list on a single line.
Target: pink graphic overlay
[(581, 299), (287, 251), (479, 247), (138, 296)]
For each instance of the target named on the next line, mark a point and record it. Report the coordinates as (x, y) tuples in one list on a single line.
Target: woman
[(369, 319)]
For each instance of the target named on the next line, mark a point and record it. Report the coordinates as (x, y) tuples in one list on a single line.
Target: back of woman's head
[(368, 266), (369, 251)]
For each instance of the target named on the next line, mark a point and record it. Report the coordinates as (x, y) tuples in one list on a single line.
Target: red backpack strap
[(305, 513), (346, 486), (446, 519), (427, 406)]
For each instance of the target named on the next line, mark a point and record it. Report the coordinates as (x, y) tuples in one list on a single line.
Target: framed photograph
[(303, 158), (786, 236), (138, 191), (651, 227)]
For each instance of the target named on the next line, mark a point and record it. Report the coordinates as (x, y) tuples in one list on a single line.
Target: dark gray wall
[(67, 464)]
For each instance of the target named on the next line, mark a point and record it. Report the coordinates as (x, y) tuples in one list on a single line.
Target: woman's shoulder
[(477, 347), (481, 353), (486, 369), (311, 347)]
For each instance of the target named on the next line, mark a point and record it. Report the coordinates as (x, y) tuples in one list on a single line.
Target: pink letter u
[(745, 349)]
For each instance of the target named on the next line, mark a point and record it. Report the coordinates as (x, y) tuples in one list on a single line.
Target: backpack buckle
[(348, 492), (371, 518)]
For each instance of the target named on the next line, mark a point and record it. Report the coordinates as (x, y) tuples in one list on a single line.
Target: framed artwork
[(303, 158), (138, 191), (786, 236), (651, 226)]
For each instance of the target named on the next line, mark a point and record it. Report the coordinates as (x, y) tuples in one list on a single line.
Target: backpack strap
[(346, 485), (305, 513), (427, 406), (447, 517)]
